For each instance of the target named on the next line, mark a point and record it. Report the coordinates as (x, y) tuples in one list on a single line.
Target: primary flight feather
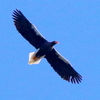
[(45, 49)]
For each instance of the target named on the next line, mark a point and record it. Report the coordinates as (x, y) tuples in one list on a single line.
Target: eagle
[(45, 49)]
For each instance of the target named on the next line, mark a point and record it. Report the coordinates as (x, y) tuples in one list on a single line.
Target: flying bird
[(45, 49)]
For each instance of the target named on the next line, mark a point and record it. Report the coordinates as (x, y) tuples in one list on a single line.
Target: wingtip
[(73, 79), (16, 12)]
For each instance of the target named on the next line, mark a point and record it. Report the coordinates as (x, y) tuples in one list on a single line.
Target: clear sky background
[(76, 25)]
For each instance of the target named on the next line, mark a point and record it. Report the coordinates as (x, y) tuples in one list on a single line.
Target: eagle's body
[(45, 49)]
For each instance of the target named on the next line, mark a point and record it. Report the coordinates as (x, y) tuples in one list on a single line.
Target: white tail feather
[(33, 59)]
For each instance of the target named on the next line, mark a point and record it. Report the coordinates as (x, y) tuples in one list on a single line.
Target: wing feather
[(63, 67), (27, 30)]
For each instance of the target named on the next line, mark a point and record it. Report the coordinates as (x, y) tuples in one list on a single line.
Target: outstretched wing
[(63, 67), (27, 30)]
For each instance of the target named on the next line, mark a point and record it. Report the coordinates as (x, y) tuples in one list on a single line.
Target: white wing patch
[(33, 59)]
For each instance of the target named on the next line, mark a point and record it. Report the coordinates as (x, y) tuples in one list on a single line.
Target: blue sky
[(76, 25)]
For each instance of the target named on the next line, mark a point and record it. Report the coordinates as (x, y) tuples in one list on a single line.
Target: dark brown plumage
[(58, 62)]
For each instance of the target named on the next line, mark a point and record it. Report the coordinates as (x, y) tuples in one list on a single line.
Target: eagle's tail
[(33, 59)]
